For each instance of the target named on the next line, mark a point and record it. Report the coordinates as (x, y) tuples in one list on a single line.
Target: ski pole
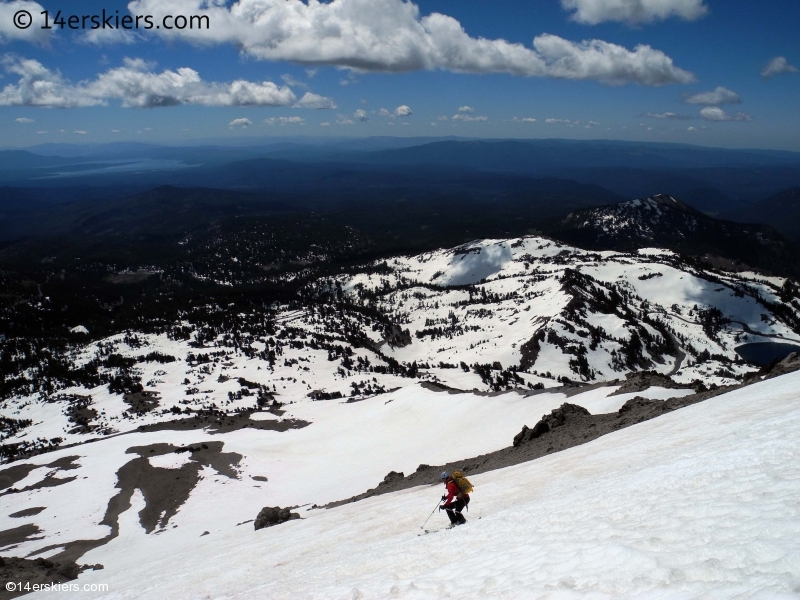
[(430, 515)]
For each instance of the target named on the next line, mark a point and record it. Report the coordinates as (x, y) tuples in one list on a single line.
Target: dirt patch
[(214, 422), (440, 387), (436, 386), (142, 402), (570, 391), (17, 535), (12, 475), (164, 490), (28, 512), (36, 573)]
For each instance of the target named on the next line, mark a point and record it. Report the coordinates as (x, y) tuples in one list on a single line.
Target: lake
[(763, 353)]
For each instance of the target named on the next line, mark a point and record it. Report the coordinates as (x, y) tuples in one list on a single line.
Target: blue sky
[(688, 71)]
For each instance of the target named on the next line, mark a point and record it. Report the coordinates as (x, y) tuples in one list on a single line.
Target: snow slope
[(347, 449), (358, 365), (702, 502)]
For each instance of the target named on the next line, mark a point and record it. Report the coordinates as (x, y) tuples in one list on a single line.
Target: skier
[(457, 497)]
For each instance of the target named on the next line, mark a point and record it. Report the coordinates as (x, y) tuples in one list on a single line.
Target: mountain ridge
[(661, 221)]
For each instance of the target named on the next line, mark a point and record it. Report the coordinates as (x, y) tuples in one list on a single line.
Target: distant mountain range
[(710, 179), (417, 193)]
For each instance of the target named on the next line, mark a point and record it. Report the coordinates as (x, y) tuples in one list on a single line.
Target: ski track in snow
[(702, 502)]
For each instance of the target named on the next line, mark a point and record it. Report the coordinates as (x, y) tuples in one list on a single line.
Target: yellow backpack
[(462, 482)]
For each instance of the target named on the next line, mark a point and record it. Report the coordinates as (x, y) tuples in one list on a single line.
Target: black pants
[(454, 511)]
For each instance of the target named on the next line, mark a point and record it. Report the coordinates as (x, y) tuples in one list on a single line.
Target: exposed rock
[(639, 382), (393, 476), (790, 364), (557, 418), (37, 571), (269, 516)]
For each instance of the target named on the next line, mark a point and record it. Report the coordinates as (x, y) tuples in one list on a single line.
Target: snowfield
[(488, 316), (702, 502), (413, 361), (346, 449)]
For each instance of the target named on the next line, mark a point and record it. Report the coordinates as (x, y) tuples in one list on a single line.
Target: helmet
[(444, 475)]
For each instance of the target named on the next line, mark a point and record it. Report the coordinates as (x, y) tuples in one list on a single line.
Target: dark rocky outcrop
[(269, 516), (790, 364), (555, 419), (37, 571), (642, 380)]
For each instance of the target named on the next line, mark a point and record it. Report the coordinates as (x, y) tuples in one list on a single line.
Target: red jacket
[(453, 492)]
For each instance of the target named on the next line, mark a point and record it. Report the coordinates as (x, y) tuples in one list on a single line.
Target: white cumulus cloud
[(566, 122), (608, 63), (361, 115), (524, 120), (465, 109), (670, 116), (24, 120), (719, 96), (244, 123), (33, 33), (392, 36), (715, 113), (293, 82), (134, 85), (285, 121), (778, 66), (311, 100), (402, 111), (468, 118), (38, 86), (592, 12)]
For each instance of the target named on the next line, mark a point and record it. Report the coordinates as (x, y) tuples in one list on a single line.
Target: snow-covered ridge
[(490, 315)]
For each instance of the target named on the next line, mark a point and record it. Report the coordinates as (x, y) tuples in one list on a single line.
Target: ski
[(427, 531)]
